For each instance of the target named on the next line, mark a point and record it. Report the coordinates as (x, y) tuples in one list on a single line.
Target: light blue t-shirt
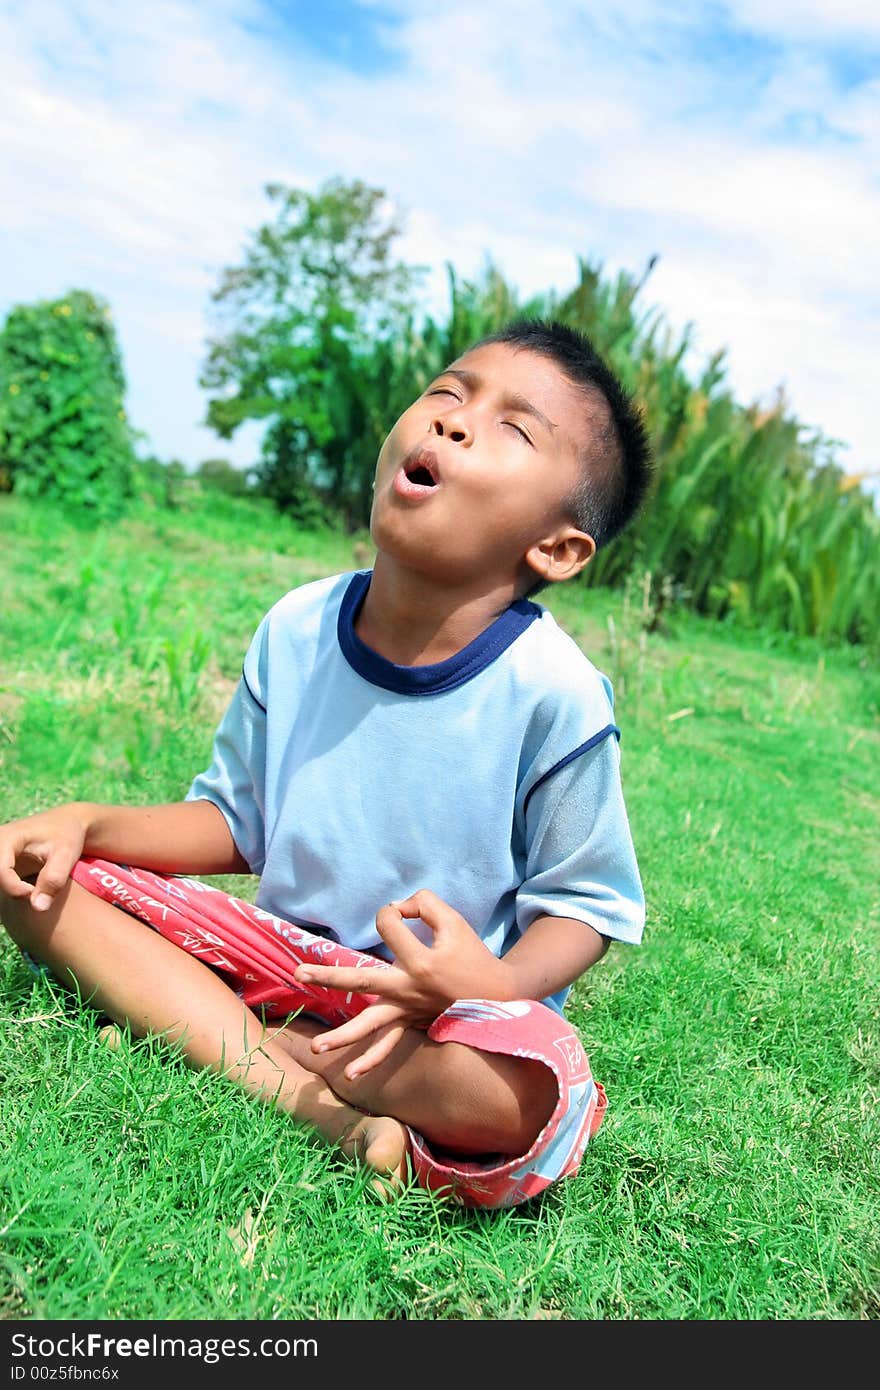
[(492, 778)]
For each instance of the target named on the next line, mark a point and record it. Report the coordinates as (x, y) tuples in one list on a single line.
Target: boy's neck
[(410, 620)]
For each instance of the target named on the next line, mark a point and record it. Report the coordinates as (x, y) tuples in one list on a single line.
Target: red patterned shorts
[(257, 953)]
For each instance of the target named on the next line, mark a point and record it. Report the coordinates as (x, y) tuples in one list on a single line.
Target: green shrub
[(219, 475), (64, 433)]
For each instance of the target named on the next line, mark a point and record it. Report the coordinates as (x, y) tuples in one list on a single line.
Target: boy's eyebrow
[(512, 399)]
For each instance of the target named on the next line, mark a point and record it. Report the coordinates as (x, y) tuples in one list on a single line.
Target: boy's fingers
[(364, 979), (50, 880), (434, 911), (16, 856), (400, 940), (356, 1029), (380, 1050), (422, 898), (11, 884)]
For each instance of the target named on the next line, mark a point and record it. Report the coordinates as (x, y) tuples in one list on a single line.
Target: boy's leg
[(482, 1081), (499, 1098), (460, 1098), (129, 971)]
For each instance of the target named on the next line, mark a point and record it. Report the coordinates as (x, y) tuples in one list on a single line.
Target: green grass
[(736, 1174)]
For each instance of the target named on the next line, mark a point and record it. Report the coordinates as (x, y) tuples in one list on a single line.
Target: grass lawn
[(735, 1176)]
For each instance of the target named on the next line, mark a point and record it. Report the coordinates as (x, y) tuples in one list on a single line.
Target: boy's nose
[(452, 427)]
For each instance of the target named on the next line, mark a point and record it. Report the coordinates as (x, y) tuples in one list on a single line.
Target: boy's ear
[(561, 556)]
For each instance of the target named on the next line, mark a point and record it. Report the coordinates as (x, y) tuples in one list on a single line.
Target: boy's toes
[(382, 1144), (110, 1035), (387, 1189)]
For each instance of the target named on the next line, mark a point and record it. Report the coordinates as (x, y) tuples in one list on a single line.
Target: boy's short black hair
[(617, 460)]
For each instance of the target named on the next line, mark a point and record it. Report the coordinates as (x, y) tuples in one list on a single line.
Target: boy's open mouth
[(418, 477), (421, 468)]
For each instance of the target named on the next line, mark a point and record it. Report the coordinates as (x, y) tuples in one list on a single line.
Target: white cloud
[(137, 143), (804, 20)]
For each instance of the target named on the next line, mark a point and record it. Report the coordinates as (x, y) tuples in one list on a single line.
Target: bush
[(219, 475), (63, 427)]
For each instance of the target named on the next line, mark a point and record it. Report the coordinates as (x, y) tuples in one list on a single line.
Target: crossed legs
[(461, 1099)]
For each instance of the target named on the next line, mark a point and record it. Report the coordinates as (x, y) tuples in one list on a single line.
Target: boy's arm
[(426, 979), (551, 954), (190, 837), (180, 837)]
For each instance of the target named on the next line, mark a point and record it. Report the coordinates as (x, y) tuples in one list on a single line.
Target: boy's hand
[(423, 981), (47, 844)]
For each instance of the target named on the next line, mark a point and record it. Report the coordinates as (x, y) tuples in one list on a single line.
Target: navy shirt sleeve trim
[(570, 757), (441, 675), (244, 681)]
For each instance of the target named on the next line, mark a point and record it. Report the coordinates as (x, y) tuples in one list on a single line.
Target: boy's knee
[(539, 1092), (23, 923), (14, 914), (496, 1102)]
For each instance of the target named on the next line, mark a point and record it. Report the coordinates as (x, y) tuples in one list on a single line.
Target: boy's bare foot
[(382, 1143), (378, 1141), (110, 1035)]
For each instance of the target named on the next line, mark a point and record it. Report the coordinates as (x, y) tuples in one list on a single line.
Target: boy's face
[(474, 474)]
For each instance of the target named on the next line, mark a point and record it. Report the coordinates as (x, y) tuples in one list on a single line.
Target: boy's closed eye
[(447, 391)]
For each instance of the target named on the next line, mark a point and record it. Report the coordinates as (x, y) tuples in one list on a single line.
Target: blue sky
[(738, 141)]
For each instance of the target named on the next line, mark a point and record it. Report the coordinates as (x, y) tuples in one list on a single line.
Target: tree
[(219, 475), (63, 428), (319, 288)]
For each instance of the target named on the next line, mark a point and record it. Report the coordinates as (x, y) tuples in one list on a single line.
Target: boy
[(423, 770)]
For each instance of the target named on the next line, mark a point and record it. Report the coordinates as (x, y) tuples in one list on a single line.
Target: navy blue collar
[(443, 675)]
